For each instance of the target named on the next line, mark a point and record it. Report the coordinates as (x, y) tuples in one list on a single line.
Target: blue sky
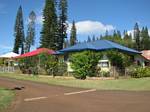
[(92, 17)]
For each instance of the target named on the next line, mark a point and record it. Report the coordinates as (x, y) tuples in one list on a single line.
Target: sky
[(92, 17)]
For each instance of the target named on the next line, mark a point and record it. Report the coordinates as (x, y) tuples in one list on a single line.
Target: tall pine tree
[(30, 39), (93, 38), (128, 40), (145, 39), (89, 39), (63, 7), (19, 32), (137, 39), (73, 36), (49, 34)]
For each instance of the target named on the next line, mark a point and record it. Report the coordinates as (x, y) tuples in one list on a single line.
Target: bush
[(84, 64), (1, 62), (62, 68), (49, 63), (105, 74), (119, 59), (27, 65), (140, 72)]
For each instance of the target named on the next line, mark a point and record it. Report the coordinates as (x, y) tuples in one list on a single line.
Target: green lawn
[(6, 97), (132, 84)]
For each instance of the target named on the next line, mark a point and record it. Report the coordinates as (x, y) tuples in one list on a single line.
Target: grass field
[(6, 97), (132, 84)]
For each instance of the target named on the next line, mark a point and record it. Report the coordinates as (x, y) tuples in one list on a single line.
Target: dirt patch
[(53, 99)]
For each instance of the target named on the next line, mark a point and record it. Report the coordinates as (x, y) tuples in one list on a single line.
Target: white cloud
[(86, 27), (89, 27)]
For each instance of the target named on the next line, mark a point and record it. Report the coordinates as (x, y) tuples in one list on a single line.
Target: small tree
[(118, 59), (49, 63), (84, 64)]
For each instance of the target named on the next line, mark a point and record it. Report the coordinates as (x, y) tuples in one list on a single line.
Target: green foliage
[(129, 84), (137, 37), (19, 32), (140, 72), (62, 23), (29, 65), (49, 63), (6, 97), (116, 37), (84, 64), (145, 39), (139, 41), (105, 73), (119, 59), (62, 69), (1, 62), (49, 34), (42, 64), (73, 37), (128, 42)]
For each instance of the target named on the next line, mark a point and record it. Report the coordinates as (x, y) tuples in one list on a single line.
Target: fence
[(116, 72), (7, 69)]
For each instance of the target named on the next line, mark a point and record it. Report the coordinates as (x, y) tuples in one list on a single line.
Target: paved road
[(38, 97)]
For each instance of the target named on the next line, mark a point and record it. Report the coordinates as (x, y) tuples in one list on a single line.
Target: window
[(104, 64)]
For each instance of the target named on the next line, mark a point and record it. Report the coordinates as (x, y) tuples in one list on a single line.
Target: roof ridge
[(109, 42)]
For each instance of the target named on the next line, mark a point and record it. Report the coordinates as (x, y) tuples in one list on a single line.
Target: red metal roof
[(146, 54), (36, 52)]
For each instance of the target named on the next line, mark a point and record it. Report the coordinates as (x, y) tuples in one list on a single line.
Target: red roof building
[(146, 54), (36, 52)]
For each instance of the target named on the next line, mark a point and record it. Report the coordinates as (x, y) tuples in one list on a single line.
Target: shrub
[(105, 73), (41, 64), (49, 63), (62, 68), (140, 72), (119, 59), (84, 64), (1, 62)]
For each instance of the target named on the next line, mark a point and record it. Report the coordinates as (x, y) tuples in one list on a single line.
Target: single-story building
[(7, 62), (99, 45), (8, 58)]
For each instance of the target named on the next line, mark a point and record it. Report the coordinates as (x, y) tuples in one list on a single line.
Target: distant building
[(146, 55), (144, 58)]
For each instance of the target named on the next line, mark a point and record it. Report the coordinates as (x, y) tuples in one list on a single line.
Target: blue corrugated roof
[(99, 45)]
